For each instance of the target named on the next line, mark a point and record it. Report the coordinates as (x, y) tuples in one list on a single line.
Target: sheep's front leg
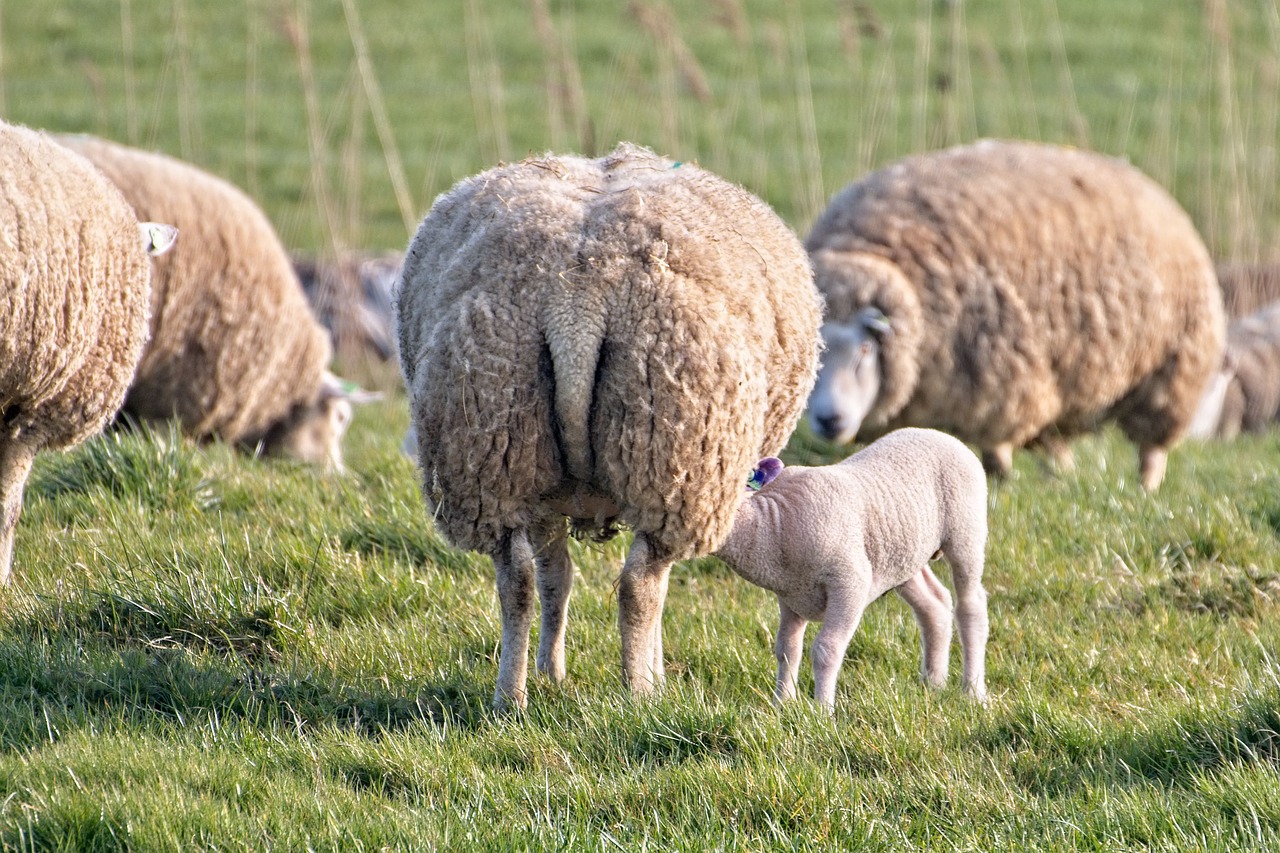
[(15, 466), (642, 590), (788, 649), (931, 604), (555, 581), (1152, 461), (514, 570), (844, 611)]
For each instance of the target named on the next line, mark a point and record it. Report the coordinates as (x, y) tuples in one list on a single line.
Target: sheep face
[(849, 379), (311, 433)]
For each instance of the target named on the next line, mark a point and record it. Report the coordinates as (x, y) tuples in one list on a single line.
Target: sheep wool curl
[(73, 307), (617, 339), (235, 351), (1031, 292)]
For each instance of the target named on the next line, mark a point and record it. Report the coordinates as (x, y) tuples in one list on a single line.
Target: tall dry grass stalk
[(1232, 203), (252, 95), (813, 197), (1066, 82), (488, 99), (570, 123), (381, 119), (189, 136), (126, 71), (920, 136)]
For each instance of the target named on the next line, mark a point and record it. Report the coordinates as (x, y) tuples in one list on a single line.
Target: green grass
[(256, 654), (205, 650)]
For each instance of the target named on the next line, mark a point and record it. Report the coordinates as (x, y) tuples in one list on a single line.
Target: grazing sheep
[(235, 352), (73, 306), (352, 298), (1245, 394), (829, 541), (1018, 293), (1247, 287), (610, 340)]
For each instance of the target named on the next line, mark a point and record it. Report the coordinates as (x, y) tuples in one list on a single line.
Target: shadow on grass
[(1054, 754)]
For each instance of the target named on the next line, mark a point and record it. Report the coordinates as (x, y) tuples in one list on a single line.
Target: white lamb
[(830, 540)]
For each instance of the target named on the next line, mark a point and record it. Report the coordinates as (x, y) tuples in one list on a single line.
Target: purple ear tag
[(765, 471)]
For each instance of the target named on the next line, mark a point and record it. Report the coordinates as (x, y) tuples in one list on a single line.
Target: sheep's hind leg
[(931, 604), (1152, 461), (788, 649), (642, 590), (971, 613), (514, 570), (555, 582), (829, 646)]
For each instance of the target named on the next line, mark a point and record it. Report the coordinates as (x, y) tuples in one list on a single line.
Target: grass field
[(203, 650)]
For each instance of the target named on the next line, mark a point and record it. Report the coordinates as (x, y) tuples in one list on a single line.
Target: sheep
[(351, 295), (1245, 393), (1248, 287), (830, 540), (73, 306), (235, 352), (606, 340), (1013, 293)]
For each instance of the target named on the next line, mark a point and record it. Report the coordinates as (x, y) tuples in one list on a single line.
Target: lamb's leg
[(555, 581), (15, 465), (998, 460), (514, 569), (966, 560), (1152, 461), (788, 649), (841, 620), (931, 604), (642, 589)]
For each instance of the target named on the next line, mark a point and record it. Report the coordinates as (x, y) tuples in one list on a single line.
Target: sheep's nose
[(828, 425)]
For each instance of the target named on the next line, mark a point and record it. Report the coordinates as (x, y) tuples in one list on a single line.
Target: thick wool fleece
[(73, 306), (1032, 290), (234, 346), (623, 336), (1248, 288)]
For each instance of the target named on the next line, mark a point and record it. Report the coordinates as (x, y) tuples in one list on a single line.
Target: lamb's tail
[(574, 335)]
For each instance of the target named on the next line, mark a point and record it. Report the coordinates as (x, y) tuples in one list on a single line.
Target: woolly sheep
[(607, 340), (1031, 292), (351, 296), (1245, 393), (828, 541), (73, 306), (1248, 287), (235, 352)]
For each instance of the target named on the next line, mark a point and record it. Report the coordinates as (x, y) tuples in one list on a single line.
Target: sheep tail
[(574, 335)]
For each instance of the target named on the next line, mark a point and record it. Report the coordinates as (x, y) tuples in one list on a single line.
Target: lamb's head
[(849, 379), (312, 432)]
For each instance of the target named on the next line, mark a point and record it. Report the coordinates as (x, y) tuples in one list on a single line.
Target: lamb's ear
[(767, 469), (157, 237), (332, 385), (874, 321)]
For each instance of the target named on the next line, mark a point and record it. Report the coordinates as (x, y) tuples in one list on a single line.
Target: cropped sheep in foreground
[(829, 541), (74, 286), (1245, 394), (1013, 293), (235, 352), (608, 340)]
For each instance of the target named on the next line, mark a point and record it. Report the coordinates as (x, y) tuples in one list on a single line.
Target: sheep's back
[(695, 298), (1052, 282), (73, 307), (234, 345)]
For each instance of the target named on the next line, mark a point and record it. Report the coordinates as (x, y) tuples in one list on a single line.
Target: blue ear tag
[(765, 472)]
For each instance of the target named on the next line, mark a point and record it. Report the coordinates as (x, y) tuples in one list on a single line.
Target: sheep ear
[(875, 321), (766, 471), (157, 237), (332, 385)]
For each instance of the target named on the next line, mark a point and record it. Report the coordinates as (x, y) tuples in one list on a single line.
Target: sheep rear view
[(611, 341), (73, 306), (1031, 292), (235, 352)]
